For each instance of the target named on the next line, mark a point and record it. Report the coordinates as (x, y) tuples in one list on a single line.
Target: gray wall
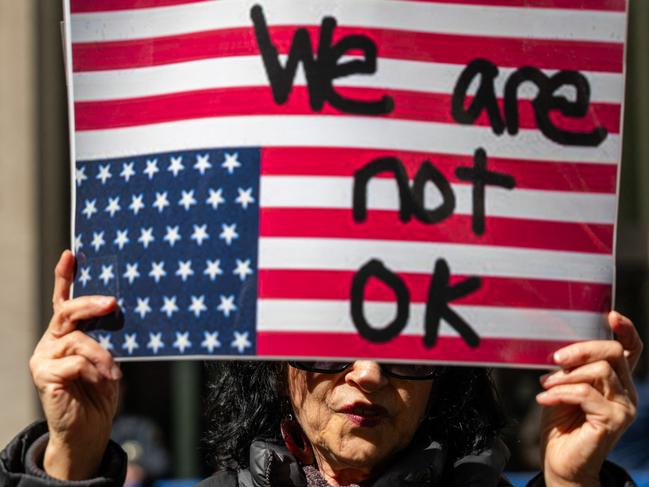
[(18, 262)]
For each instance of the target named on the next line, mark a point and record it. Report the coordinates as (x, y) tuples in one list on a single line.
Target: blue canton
[(174, 237)]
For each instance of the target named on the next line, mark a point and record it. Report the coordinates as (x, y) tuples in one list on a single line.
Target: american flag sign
[(386, 179)]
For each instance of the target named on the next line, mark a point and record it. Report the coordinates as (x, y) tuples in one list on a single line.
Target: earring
[(295, 440)]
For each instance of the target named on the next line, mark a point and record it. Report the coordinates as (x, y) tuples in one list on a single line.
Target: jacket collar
[(271, 465)]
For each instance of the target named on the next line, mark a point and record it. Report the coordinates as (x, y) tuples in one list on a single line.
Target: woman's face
[(357, 418)]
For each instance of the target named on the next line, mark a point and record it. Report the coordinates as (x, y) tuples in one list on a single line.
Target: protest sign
[(390, 179)]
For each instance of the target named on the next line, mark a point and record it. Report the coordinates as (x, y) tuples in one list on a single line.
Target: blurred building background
[(34, 207)]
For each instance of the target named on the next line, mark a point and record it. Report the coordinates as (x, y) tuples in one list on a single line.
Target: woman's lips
[(365, 415)]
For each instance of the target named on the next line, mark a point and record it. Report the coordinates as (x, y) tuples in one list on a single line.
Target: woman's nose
[(366, 375)]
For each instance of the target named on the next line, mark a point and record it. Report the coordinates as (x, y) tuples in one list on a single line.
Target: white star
[(130, 343), (172, 235), (127, 171), (182, 341), (161, 201), (245, 198), (241, 341), (136, 203), (155, 342), (113, 206), (211, 341), (213, 269), (78, 244), (187, 199), (80, 175), (151, 168), (131, 273), (231, 162), (200, 234), (106, 274), (227, 305), (197, 306), (243, 269), (202, 163), (229, 233), (104, 173), (215, 199), (85, 276), (97, 240), (146, 236), (157, 271), (176, 165), (142, 307), (121, 238), (169, 307), (104, 341), (90, 208), (184, 269)]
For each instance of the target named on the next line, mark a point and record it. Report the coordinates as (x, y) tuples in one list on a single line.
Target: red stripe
[(393, 44), (87, 6), (385, 225), (258, 100), (494, 291), (448, 349), (607, 5), (552, 176)]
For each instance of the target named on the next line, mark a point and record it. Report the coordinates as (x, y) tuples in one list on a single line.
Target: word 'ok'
[(440, 294)]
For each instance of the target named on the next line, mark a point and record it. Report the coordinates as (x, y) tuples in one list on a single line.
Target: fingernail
[(560, 356), (116, 372), (544, 378), (106, 301), (542, 395)]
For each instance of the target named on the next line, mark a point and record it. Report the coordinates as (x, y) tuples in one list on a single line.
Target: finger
[(78, 343), (583, 395), (63, 276), (628, 336), (600, 375), (51, 372), (582, 353), (68, 313), (591, 402)]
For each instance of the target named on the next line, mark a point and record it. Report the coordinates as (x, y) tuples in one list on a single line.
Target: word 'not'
[(411, 198)]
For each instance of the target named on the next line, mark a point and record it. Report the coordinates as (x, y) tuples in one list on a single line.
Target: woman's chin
[(364, 451)]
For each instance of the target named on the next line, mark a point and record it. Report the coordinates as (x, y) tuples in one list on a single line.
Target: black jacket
[(271, 465)]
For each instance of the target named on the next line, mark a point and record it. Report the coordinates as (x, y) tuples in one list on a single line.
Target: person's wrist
[(63, 461), (553, 480)]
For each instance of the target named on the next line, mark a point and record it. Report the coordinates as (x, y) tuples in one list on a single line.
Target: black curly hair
[(248, 399)]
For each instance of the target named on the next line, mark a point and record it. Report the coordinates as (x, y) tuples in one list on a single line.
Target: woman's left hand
[(588, 403)]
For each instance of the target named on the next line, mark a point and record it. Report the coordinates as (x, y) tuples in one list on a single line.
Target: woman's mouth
[(365, 415)]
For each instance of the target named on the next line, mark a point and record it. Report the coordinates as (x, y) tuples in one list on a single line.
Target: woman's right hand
[(77, 381)]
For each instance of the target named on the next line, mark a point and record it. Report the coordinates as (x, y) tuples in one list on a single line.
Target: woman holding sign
[(329, 423)]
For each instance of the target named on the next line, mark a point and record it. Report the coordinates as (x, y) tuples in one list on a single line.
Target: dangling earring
[(295, 440)]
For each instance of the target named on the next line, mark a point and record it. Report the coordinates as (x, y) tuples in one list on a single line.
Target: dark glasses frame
[(398, 371)]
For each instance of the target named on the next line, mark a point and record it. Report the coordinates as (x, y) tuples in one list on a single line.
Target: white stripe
[(418, 16), (249, 71), (336, 192), (339, 131), (418, 257), (487, 321)]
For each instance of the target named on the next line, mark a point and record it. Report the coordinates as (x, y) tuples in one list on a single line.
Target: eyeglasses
[(399, 371)]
